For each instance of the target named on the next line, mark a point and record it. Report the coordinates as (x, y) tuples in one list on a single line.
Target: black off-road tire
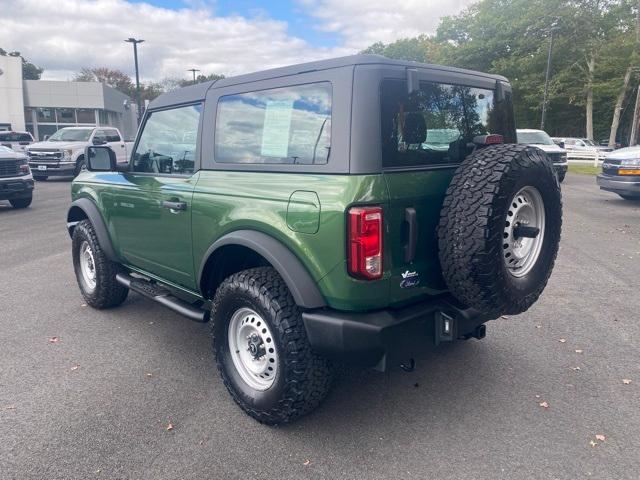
[(107, 292), (303, 378), (21, 202), (472, 223), (40, 178)]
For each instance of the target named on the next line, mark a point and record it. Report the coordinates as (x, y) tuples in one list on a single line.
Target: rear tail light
[(365, 242)]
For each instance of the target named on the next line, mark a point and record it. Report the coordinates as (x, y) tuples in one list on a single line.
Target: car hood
[(624, 153), (10, 155), (56, 145)]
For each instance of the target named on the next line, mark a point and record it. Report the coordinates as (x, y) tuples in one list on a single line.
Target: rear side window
[(290, 125), (436, 124), (168, 142)]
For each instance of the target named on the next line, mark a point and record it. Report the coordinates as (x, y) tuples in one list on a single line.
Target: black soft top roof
[(198, 92)]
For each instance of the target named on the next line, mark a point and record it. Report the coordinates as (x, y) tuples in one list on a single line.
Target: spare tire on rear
[(499, 228)]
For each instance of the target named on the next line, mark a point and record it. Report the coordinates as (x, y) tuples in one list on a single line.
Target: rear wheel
[(262, 351), (21, 202), (499, 228), (95, 273)]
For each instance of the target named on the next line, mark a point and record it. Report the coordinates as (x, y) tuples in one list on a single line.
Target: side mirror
[(100, 159), (561, 144), (99, 141)]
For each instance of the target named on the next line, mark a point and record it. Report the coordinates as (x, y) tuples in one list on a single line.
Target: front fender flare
[(84, 208), (303, 288)]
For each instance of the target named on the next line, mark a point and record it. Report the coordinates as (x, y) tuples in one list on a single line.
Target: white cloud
[(363, 22), (64, 35)]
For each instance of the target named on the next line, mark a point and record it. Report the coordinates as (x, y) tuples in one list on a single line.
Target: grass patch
[(585, 169)]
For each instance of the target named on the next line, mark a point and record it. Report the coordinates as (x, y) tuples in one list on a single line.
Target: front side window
[(168, 142), (112, 136), (289, 125), (436, 124)]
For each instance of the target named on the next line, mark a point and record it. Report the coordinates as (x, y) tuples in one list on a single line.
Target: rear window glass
[(15, 137), (436, 124), (290, 125)]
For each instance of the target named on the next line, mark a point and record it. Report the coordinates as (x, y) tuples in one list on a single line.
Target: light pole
[(193, 70), (135, 58), (550, 30)]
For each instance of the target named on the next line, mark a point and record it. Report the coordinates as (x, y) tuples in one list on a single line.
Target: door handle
[(174, 206), (410, 247)]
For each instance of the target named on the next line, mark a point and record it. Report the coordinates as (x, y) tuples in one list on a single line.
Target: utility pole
[(551, 31), (193, 70), (135, 58)]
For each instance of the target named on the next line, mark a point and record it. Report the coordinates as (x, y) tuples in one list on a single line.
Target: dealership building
[(44, 106)]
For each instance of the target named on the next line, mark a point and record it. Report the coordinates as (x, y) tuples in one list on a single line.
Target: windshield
[(71, 135), (534, 138)]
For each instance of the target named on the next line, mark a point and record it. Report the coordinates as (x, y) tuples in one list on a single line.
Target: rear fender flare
[(303, 288), (85, 208)]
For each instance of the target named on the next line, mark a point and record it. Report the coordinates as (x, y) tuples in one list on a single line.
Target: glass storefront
[(50, 120)]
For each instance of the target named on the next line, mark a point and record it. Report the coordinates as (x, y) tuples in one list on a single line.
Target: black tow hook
[(410, 367), (526, 232)]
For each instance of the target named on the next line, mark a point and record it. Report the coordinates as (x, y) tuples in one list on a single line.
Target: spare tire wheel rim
[(523, 231), (252, 349)]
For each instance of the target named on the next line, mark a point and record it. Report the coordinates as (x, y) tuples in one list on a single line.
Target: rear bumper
[(16, 188), (388, 337), (619, 184), (60, 169)]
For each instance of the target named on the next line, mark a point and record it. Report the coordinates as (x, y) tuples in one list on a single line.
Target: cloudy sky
[(215, 36)]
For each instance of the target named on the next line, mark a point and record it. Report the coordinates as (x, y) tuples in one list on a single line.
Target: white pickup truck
[(62, 154)]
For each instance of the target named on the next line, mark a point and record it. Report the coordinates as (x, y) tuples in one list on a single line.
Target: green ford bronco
[(353, 210)]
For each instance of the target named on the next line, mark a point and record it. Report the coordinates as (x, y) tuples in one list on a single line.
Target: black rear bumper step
[(163, 296)]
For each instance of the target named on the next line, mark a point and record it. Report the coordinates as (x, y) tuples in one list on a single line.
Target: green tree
[(29, 70)]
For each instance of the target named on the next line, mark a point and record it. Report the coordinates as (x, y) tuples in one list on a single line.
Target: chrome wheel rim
[(87, 266), (253, 349), (521, 253)]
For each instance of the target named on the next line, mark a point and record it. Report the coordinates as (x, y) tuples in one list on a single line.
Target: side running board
[(163, 296)]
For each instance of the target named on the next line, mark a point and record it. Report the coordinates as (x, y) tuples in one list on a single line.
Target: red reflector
[(365, 242)]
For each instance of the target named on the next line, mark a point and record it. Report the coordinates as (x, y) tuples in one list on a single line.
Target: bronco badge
[(409, 279)]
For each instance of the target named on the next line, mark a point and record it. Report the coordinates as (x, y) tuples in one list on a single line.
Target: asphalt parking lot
[(96, 403)]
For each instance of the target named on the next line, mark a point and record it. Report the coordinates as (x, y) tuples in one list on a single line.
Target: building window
[(86, 115), (46, 131), (65, 115), (45, 115)]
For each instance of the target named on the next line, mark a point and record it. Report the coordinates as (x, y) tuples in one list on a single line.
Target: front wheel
[(80, 166), (21, 202), (262, 351), (95, 273), (631, 198)]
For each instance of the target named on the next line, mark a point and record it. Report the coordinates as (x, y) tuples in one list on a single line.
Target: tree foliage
[(595, 43), (125, 84), (29, 70)]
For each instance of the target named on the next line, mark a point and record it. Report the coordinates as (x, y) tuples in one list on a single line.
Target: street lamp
[(135, 58), (551, 31), (193, 70)]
